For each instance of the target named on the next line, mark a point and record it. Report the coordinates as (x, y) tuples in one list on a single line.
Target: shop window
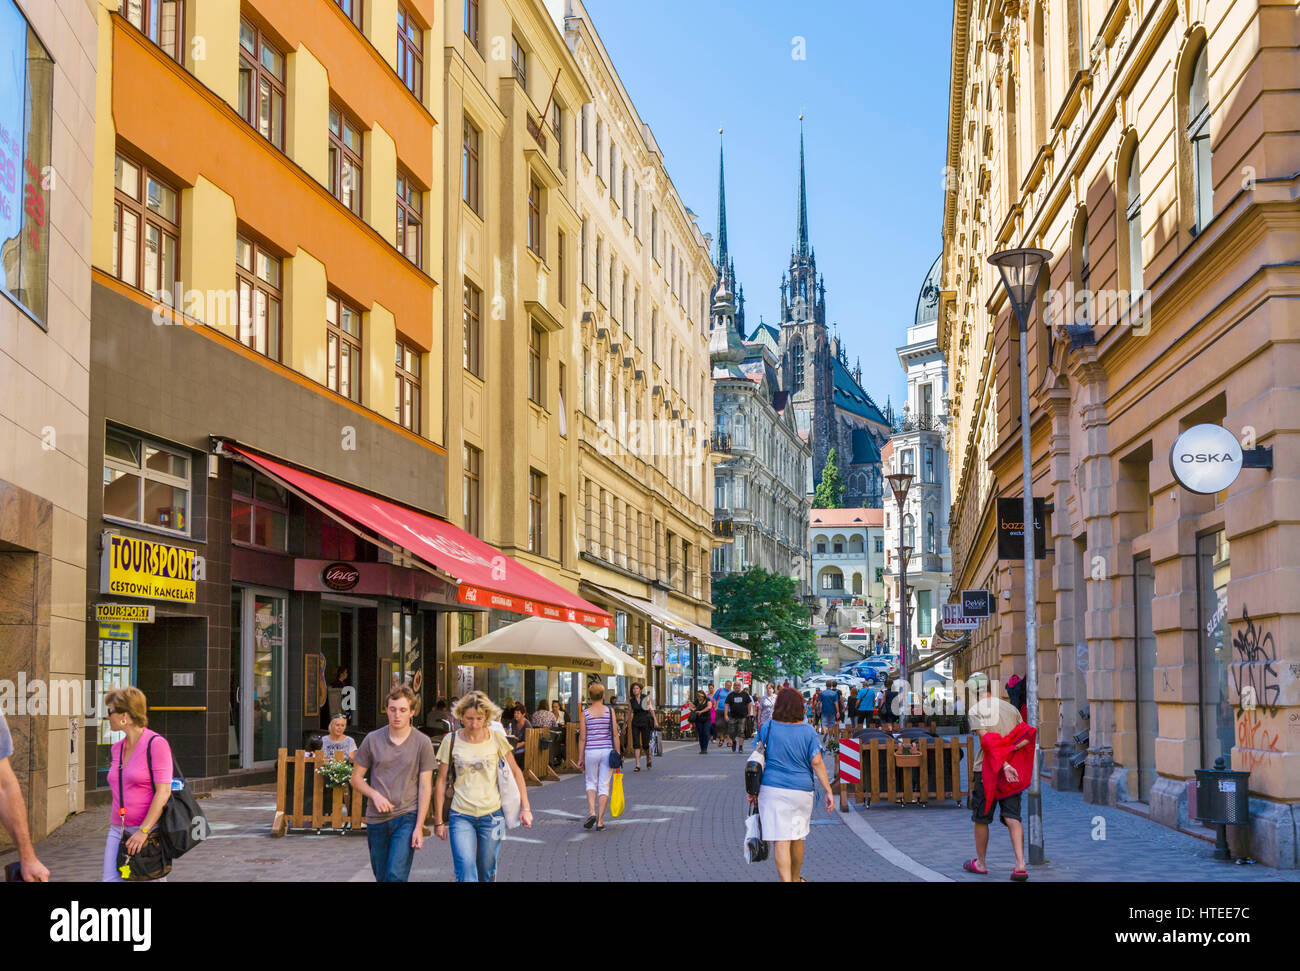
[(343, 348), (472, 486), (146, 230), (161, 21), (406, 410), (1213, 571), (257, 277), (473, 337), (353, 10), (259, 510), (146, 482), (410, 218), (410, 52), (345, 160), (261, 84)]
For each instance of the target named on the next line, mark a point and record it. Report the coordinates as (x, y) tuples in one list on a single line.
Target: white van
[(859, 641)]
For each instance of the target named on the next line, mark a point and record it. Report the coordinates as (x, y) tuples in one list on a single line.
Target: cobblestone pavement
[(684, 821)]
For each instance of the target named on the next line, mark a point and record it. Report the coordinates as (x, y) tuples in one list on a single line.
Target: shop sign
[(976, 603), (1206, 459), (955, 619), (116, 632), (144, 568), (124, 613), (1011, 529), (340, 576)]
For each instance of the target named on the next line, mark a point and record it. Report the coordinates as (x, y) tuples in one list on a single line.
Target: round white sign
[(1205, 459)]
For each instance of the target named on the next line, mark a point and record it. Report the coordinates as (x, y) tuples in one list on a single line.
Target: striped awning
[(652, 612)]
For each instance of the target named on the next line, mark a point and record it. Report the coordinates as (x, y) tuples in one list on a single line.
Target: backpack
[(182, 825)]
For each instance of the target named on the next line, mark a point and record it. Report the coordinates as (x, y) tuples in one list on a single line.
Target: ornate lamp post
[(1020, 269), (900, 483)]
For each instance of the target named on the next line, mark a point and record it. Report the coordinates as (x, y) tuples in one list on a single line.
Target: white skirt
[(784, 813)]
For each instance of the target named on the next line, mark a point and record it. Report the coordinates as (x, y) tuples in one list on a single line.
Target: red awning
[(487, 578)]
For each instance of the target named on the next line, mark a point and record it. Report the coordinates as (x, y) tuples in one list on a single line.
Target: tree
[(762, 612), (830, 490)]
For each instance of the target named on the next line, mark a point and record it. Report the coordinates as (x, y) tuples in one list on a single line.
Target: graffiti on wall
[(1256, 745), (1254, 675)]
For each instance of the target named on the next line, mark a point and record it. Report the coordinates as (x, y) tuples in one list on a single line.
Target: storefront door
[(258, 695), (1213, 570)]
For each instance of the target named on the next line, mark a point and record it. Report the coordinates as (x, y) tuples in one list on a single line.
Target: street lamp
[(1020, 269), (899, 484)]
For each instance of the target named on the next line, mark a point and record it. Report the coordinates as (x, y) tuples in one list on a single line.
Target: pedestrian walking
[(597, 741), (13, 813), (399, 762), (764, 709), (703, 718), (738, 702), (994, 715), (139, 775), (828, 701), (719, 699), (793, 760), (644, 721), (475, 823)]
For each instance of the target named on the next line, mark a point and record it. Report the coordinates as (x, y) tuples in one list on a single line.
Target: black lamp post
[(900, 483), (1020, 269)]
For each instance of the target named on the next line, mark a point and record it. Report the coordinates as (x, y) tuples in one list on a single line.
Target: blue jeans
[(390, 848), (475, 844)]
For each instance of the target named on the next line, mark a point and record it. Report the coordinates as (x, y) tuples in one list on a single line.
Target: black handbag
[(152, 862), (615, 757)]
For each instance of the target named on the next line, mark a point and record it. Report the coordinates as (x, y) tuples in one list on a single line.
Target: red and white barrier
[(686, 717), (850, 760)]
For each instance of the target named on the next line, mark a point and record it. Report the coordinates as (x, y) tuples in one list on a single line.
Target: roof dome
[(927, 301)]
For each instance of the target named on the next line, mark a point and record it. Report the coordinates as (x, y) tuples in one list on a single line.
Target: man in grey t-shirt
[(13, 812), (400, 763)]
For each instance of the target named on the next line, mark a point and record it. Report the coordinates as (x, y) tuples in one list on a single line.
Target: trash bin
[(1222, 800)]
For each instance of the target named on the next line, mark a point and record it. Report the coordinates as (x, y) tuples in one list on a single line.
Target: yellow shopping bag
[(616, 794)]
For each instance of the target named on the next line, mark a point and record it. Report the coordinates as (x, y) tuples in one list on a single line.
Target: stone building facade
[(1150, 147)]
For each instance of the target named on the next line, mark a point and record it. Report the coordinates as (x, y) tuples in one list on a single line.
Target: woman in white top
[(597, 737), (337, 741)]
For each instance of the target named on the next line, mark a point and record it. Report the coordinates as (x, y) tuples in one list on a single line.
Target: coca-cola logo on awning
[(340, 576)]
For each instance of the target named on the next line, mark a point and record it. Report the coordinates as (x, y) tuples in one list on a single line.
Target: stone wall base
[(1063, 776), (1097, 771), (1271, 836), (1169, 803)]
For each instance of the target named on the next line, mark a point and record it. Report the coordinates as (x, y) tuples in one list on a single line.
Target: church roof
[(927, 301), (850, 396), (865, 449)]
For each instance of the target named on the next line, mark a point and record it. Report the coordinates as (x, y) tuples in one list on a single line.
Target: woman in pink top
[(129, 776)]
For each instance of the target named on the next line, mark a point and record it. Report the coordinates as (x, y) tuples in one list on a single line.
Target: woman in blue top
[(793, 754)]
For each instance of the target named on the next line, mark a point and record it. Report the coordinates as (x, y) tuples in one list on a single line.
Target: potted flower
[(337, 773)]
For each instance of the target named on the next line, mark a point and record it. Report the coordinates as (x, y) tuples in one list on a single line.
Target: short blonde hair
[(479, 701), (132, 702), (595, 691)]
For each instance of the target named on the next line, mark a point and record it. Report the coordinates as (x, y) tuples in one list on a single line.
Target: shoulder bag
[(151, 863), (182, 823), (756, 764), (615, 758), (449, 789)]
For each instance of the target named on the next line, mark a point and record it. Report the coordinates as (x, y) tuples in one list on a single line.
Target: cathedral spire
[(722, 260), (801, 223)]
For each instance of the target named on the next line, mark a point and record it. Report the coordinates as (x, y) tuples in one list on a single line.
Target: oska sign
[(1205, 459)]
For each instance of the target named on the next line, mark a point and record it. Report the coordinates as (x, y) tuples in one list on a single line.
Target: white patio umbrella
[(539, 643)]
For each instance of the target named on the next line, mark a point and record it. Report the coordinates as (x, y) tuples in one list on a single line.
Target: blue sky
[(874, 90)]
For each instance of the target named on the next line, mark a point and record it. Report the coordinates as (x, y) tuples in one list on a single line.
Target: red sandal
[(973, 866)]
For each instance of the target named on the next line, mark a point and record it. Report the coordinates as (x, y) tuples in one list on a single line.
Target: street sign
[(976, 603), (1206, 459), (954, 619), (1011, 529)]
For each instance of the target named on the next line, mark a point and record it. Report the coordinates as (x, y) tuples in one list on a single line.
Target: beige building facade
[(1150, 147), (44, 380)]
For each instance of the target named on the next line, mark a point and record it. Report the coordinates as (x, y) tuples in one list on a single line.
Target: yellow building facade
[(1148, 145)]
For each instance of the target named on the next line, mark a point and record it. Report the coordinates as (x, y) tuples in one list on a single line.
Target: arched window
[(857, 584), (1082, 272), (909, 531), (1039, 65), (1011, 159), (1133, 218), (1198, 137), (796, 365)]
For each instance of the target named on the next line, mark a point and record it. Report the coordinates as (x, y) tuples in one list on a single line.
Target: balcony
[(720, 442), (724, 528), (920, 423)]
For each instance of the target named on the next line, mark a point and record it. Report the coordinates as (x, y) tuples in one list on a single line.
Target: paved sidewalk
[(684, 822)]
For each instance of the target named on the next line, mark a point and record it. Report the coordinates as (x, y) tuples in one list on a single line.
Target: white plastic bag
[(656, 744), (511, 803), (755, 849)]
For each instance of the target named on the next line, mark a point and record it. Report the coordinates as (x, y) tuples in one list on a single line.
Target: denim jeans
[(390, 848), (475, 843)]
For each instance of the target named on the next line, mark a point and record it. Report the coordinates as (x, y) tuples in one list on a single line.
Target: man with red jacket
[(991, 714)]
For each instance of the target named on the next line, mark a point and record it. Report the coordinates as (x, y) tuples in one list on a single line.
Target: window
[(560, 390), (410, 221), (623, 300), (1198, 135), (833, 580), (797, 365), (261, 84), (257, 277), (929, 464), (626, 182), (560, 240), (343, 348), (584, 123), (1213, 571), (909, 532), (821, 546), (410, 53), (471, 21), (880, 544), (473, 329), (145, 229), (345, 160), (406, 405), (1133, 218), (907, 462), (161, 22), (519, 62), (28, 102), (600, 259), (535, 216), (536, 512), (636, 211), (929, 532), (472, 488), (924, 613), (839, 547), (557, 129), (654, 234), (259, 510), (470, 170), (613, 170), (536, 388), (564, 533), (145, 482)]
